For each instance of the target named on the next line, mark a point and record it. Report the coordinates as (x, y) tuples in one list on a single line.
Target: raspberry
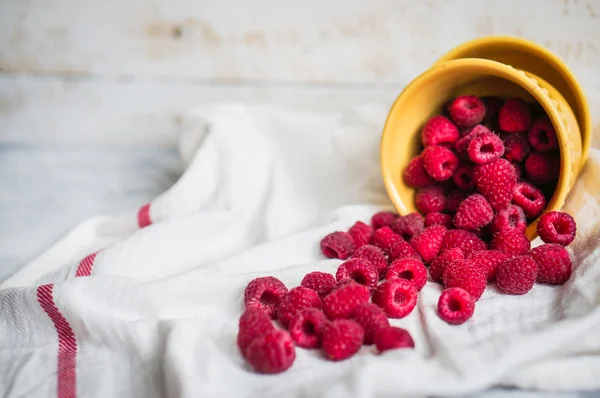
[(393, 337), (438, 219), (408, 226), (463, 177), (397, 297), (542, 136), (511, 242), (321, 282), (557, 227), (465, 240), (554, 263), (375, 256), (530, 199), (467, 110), (272, 353), (516, 147), (514, 116), (342, 339), (337, 245), (430, 200), (383, 219), (439, 162), (466, 275), (485, 148), (428, 242), (408, 269), (510, 217), (266, 293), (492, 106), (462, 146), (473, 213), (393, 244), (361, 234), (253, 323), (342, 302), (297, 299), (454, 200), (488, 261), (455, 306), (517, 275), (415, 174), (496, 182), (542, 167), (371, 318), (306, 327), (439, 130), (361, 271), (439, 264)]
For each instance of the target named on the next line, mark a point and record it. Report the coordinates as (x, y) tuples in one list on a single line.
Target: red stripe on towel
[(85, 266)]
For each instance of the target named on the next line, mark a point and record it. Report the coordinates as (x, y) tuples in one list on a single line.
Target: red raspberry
[(266, 293), (408, 226), (428, 242), (542, 136), (463, 177), (517, 147), (455, 198), (496, 182), (510, 217), (409, 269), (342, 302), (439, 162), (514, 116), (430, 200), (415, 174), (297, 299), (488, 261), (371, 318), (465, 240), (342, 339), (530, 199), (361, 271), (271, 353), (462, 146), (383, 219), (337, 245), (392, 338), (393, 244), (438, 219), (554, 263), (473, 213), (485, 148), (375, 256), (517, 275), (455, 306), (557, 227), (492, 107), (321, 282), (467, 110), (253, 323), (397, 297), (542, 167), (439, 130), (361, 234), (466, 275), (306, 327), (441, 262), (511, 242)]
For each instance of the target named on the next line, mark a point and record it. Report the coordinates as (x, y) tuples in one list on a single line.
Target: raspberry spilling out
[(297, 299), (464, 240), (361, 234), (542, 167), (473, 213), (392, 338), (456, 306), (271, 353), (496, 182), (253, 323), (429, 242), (430, 200), (488, 261), (438, 219), (517, 275), (541, 135), (467, 111), (517, 147), (383, 219), (408, 226), (438, 131), (463, 177), (514, 116), (397, 297), (321, 282), (441, 262), (359, 270), (265, 293), (371, 318), (439, 162), (511, 242), (530, 199), (557, 227), (306, 327), (415, 174), (408, 269), (466, 275), (392, 244), (485, 148), (342, 339), (337, 245), (554, 263), (342, 302), (375, 256), (510, 217)]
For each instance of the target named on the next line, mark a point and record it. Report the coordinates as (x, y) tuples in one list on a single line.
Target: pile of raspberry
[(474, 200)]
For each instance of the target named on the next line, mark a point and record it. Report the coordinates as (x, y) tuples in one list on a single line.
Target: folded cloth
[(146, 304)]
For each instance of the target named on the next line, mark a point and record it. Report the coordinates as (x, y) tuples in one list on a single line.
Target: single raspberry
[(514, 116), (392, 244), (557, 227), (429, 242), (439, 264), (253, 323), (371, 318), (439, 162), (465, 240), (439, 130), (361, 234), (342, 339), (375, 256), (510, 217), (438, 219), (306, 327), (518, 170), (466, 275), (271, 353), (462, 145), (463, 177), (297, 299), (361, 271), (542, 136), (383, 219), (485, 148), (517, 147), (415, 174), (266, 293), (408, 226), (530, 199), (342, 302), (542, 167), (430, 200), (409, 269), (392, 338), (517, 275), (467, 110), (554, 263), (321, 282), (496, 182), (456, 306), (492, 107), (473, 213), (488, 261), (397, 297), (454, 199), (511, 242), (337, 245)]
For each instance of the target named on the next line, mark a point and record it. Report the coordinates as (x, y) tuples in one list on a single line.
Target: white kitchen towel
[(154, 313)]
